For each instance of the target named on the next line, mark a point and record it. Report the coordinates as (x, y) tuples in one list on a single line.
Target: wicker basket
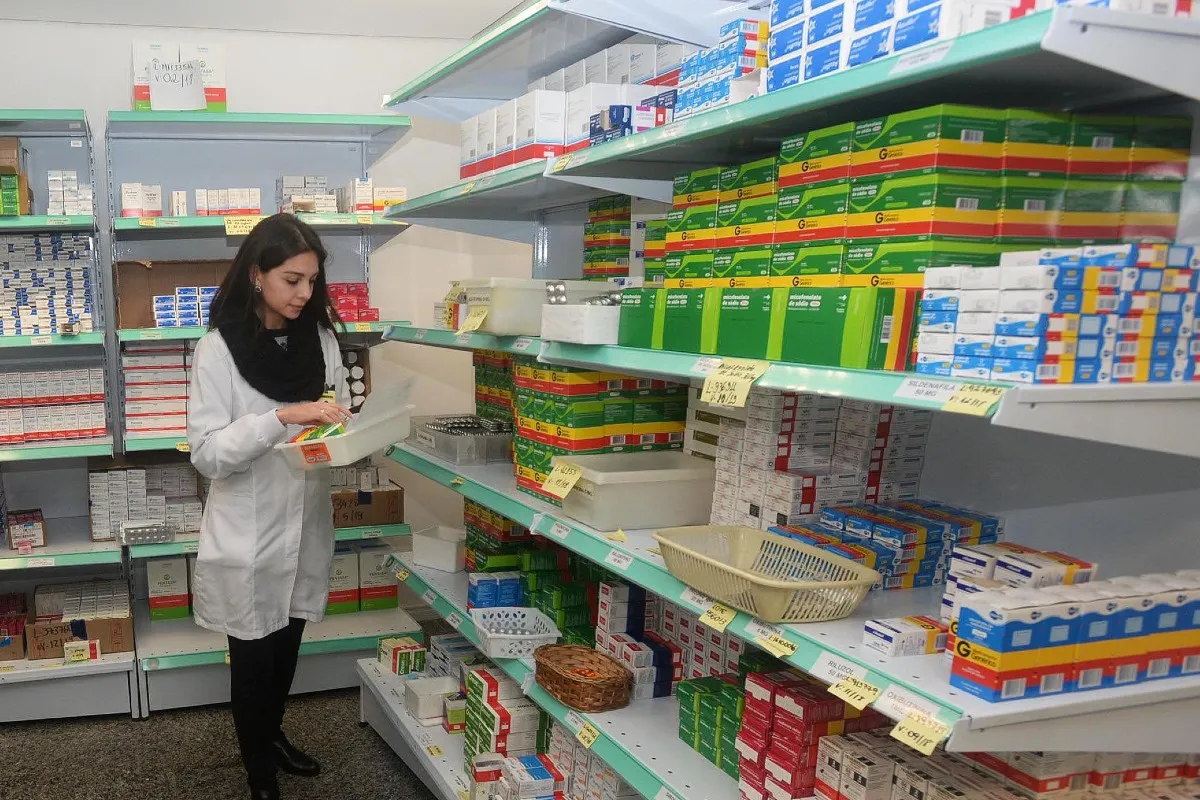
[(582, 678), (775, 578)]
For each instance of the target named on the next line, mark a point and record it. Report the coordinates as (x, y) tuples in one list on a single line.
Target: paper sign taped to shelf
[(183, 447), (433, 750), (718, 617), (463, 338), (151, 336), (921, 58), (699, 600), (363, 219), (467, 188), (457, 481), (8, 668), (191, 547), (562, 162), (402, 575), (455, 619), (522, 343), (429, 596), (240, 225), (587, 735), (833, 669), (974, 399), (855, 691), (475, 318), (562, 479), (618, 559), (729, 384), (706, 364), (361, 327), (932, 391), (617, 536), (770, 638), (452, 295), (42, 561), (147, 222), (920, 733), (59, 220), (175, 86), (227, 659)]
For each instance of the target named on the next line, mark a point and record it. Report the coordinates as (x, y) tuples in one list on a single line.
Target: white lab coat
[(266, 538)]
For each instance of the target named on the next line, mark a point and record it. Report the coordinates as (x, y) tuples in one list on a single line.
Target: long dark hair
[(272, 241)]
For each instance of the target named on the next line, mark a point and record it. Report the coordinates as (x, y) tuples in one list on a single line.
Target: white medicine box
[(540, 122)]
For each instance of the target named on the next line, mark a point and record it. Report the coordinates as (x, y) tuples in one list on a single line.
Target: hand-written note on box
[(176, 87)]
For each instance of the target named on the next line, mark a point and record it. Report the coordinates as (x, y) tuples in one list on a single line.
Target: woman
[(268, 366)]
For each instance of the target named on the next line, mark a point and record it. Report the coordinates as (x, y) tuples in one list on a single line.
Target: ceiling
[(442, 19)]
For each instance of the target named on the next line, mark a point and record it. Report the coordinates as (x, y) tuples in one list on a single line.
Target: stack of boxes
[(166, 493), (589, 778), (188, 307), (231, 202), (446, 654), (402, 655), (500, 719), (359, 579), (25, 530), (352, 302), (710, 717), (493, 384), (712, 77), (1097, 314), (606, 238), (66, 195), (654, 250), (45, 284), (156, 377), (307, 192), (52, 405)]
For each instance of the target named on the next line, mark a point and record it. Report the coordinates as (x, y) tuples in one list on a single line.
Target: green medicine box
[(818, 156), (1036, 144), (749, 180), (903, 264), (742, 262), (811, 212), (699, 187), (840, 327), (744, 323), (689, 321), (641, 312), (689, 264), (814, 264)]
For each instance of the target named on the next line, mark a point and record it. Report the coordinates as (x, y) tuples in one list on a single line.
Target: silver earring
[(258, 287)]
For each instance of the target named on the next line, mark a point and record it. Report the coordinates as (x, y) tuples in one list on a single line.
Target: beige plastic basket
[(770, 576)]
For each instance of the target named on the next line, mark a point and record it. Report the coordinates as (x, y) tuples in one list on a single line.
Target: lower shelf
[(188, 543), (50, 689), (436, 757)]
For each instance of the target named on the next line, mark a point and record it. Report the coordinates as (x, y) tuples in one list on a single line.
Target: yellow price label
[(855, 691), (8, 668), (433, 750), (562, 479), (147, 222), (475, 318), (463, 794), (240, 225), (457, 481), (718, 617), (654, 550), (364, 219), (562, 162), (183, 447), (616, 536), (777, 646), (227, 659), (362, 327), (452, 295), (920, 733), (974, 399), (402, 575), (587, 734), (467, 188), (729, 384)]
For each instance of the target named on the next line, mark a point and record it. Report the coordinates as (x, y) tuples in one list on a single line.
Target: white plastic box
[(440, 547), (581, 324), (359, 442), (423, 697), (515, 304), (663, 489)]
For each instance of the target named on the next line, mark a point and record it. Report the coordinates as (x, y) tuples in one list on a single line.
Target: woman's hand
[(316, 413)]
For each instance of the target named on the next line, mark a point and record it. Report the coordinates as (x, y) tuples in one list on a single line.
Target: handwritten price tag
[(770, 638), (183, 447), (855, 691), (617, 536), (562, 479), (587, 735), (973, 399), (467, 188), (562, 162), (920, 733), (240, 225), (227, 659), (402, 575), (364, 219), (729, 384), (475, 318), (618, 560), (718, 617), (147, 222), (457, 481), (452, 295)]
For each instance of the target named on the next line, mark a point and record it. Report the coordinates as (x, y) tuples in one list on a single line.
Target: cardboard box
[(46, 639), (353, 509), (11, 155), (139, 281)]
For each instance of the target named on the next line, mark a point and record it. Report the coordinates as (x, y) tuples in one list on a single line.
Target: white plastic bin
[(664, 489), (581, 324), (440, 547), (515, 304), (423, 697), (360, 441)]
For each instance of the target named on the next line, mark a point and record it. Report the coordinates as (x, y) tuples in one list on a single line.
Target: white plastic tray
[(357, 443), (581, 324), (515, 304), (663, 489), (440, 547)]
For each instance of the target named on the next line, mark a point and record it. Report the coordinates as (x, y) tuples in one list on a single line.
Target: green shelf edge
[(47, 223), (631, 770), (49, 451), (155, 443), (483, 41), (475, 341), (139, 551), (350, 644), (244, 117), (644, 574), (526, 173), (347, 222), (176, 334), (56, 340), (63, 560), (43, 114)]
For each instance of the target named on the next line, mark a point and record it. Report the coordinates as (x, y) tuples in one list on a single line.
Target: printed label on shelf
[(433, 750), (77, 143), (147, 222), (240, 225), (191, 547), (185, 447), (898, 703), (402, 575), (617, 536), (58, 220), (729, 384), (40, 340), (618, 559), (855, 691), (922, 58), (151, 336), (455, 619), (429, 596), (363, 219), (463, 338), (700, 601), (706, 364), (522, 343), (587, 735), (167, 222), (834, 669), (664, 793), (974, 399), (770, 638), (926, 389), (372, 533), (562, 479), (41, 561), (378, 671), (419, 334), (475, 318), (574, 721), (718, 617), (920, 733), (560, 530), (24, 548)]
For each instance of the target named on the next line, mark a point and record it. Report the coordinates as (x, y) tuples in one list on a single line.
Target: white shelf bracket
[(1156, 50), (660, 191)]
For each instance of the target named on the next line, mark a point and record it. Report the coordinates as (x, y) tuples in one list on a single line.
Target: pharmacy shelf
[(49, 688), (43, 223), (1149, 717), (188, 543), (545, 35), (84, 448), (53, 340), (149, 443), (429, 751), (640, 742), (382, 130), (43, 122), (181, 643), (463, 341), (68, 544), (191, 333), (191, 226)]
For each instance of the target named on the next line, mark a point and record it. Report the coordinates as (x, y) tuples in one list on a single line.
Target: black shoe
[(293, 760)]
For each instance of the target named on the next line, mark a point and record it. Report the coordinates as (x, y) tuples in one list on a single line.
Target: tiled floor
[(191, 755)]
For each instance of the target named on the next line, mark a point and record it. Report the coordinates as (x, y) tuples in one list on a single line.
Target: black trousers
[(260, 678)]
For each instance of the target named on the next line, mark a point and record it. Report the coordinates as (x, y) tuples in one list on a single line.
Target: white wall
[(76, 65)]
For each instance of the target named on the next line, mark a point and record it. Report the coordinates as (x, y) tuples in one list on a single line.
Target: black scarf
[(291, 374)]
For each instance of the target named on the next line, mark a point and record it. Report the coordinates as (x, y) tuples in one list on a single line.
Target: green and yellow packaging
[(1151, 211), (1031, 209), (690, 319), (691, 228), (819, 156), (742, 262), (655, 250), (816, 264), (744, 222), (1160, 149), (1092, 210), (903, 264), (860, 328), (699, 187), (949, 138), (605, 261), (923, 206), (754, 179), (1036, 144), (744, 323), (811, 213), (689, 264), (1100, 147)]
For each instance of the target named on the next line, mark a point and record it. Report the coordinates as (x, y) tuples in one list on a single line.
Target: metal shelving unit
[(187, 544), (49, 689), (69, 544), (215, 225), (77, 448)]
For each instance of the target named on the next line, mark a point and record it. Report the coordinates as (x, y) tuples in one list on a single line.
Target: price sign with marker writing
[(920, 733), (562, 479), (718, 616), (729, 384), (974, 399), (475, 318), (855, 691)]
